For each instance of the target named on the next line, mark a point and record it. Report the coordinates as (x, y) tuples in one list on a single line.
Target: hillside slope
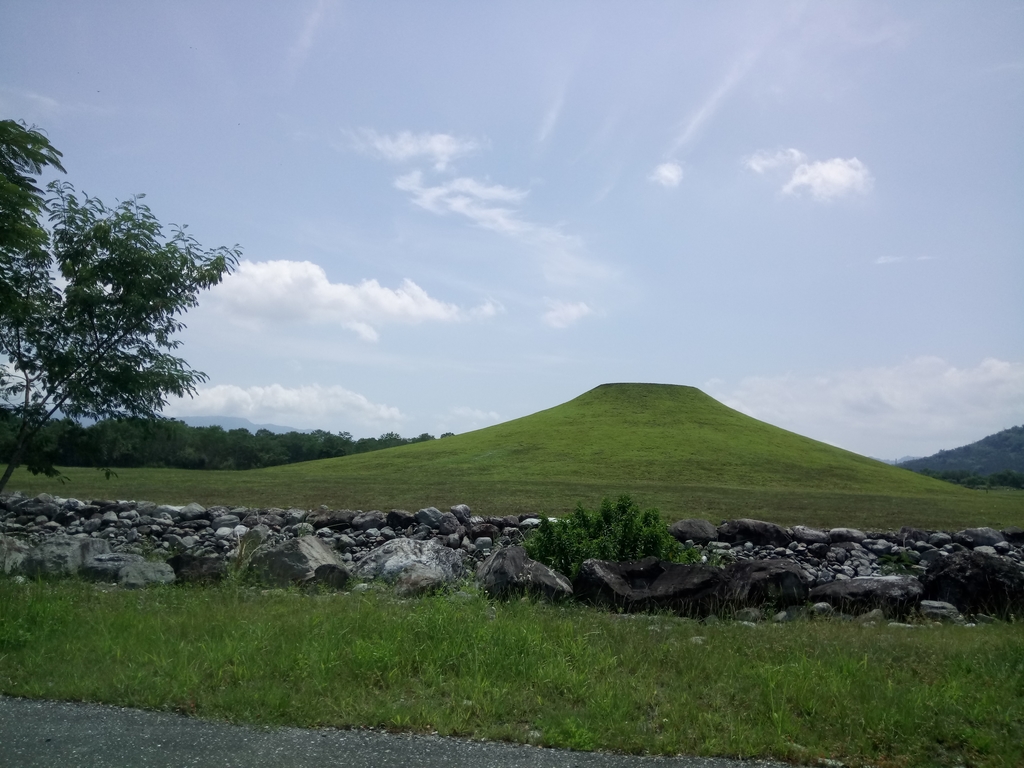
[(995, 453)]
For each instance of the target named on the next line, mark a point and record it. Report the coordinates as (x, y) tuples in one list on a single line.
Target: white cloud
[(667, 174), (308, 34), (300, 291), (710, 106), (562, 314), (493, 207), (830, 178), (763, 160), (915, 408), (312, 406), (438, 148), (551, 118)]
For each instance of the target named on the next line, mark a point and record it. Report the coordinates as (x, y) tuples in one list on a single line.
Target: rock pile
[(746, 564)]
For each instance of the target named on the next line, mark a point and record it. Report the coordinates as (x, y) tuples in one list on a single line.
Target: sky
[(453, 214)]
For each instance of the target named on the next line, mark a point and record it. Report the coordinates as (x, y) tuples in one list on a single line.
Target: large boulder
[(63, 555), (698, 531), (364, 521), (895, 595), (336, 519), (294, 561), (758, 582), (198, 570), (848, 535), (978, 537), (12, 554), (144, 574), (806, 535), (976, 583), (510, 571), (399, 519), (390, 560), (107, 567), (648, 584), (757, 532)]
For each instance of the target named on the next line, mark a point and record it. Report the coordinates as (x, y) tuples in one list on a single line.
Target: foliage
[(169, 443), (1007, 478), (993, 454), (90, 313), (617, 531)]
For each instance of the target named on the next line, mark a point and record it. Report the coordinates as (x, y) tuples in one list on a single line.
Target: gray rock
[(12, 554), (164, 509), (483, 544), (331, 575), (896, 594), (448, 524), (838, 535), (336, 519), (937, 610), (649, 584), (822, 609), (986, 550), (698, 531), (756, 582), (364, 521), (977, 583), (806, 535), (792, 613), (430, 516), (530, 524), (392, 558), (510, 571), (294, 561), (303, 529), (752, 615), (758, 532), (940, 539), (417, 580), (879, 547), (225, 521), (107, 567), (1014, 535), (143, 574), (201, 569), (978, 537), (62, 555), (190, 511), (462, 514)]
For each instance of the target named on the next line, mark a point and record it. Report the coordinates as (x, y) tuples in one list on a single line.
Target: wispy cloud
[(307, 36), (311, 405), (667, 174), (562, 314), (494, 207), (550, 120), (438, 148), (898, 259), (823, 179), (300, 291), (915, 408), (711, 104)]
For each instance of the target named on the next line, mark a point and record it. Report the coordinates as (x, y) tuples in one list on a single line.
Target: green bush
[(618, 531)]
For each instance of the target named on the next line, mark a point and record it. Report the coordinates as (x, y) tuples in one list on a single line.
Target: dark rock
[(977, 537), (908, 536), (399, 519), (851, 535), (484, 529), (448, 525), (462, 514), (895, 594), (976, 583), (107, 567), (1014, 535), (757, 532), (429, 516), (331, 575), (510, 572), (364, 521), (806, 535), (198, 570), (336, 519), (648, 584), (698, 531), (756, 582)]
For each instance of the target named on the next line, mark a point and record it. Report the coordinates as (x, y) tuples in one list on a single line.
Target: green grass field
[(563, 676), (671, 447)]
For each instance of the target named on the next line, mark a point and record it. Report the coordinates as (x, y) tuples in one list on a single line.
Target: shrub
[(617, 531)]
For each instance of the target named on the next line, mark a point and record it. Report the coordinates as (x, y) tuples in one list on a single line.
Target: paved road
[(68, 735)]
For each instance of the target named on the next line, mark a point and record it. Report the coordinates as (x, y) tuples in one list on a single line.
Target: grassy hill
[(995, 453), (670, 446)]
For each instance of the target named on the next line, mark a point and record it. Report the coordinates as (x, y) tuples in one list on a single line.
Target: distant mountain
[(235, 422), (896, 462), (995, 453)]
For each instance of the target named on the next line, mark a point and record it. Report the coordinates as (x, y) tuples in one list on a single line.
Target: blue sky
[(454, 214)]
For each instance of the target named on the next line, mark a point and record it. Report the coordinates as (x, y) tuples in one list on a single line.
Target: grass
[(671, 447), (560, 676)]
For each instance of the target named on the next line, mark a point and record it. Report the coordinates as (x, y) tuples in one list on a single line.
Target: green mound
[(672, 447)]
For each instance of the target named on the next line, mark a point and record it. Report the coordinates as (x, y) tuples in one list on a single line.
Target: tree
[(89, 313)]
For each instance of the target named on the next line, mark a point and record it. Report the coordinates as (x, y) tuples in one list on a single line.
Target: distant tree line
[(965, 477), (170, 443)]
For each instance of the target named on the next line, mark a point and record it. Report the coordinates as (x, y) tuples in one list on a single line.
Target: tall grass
[(562, 676)]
